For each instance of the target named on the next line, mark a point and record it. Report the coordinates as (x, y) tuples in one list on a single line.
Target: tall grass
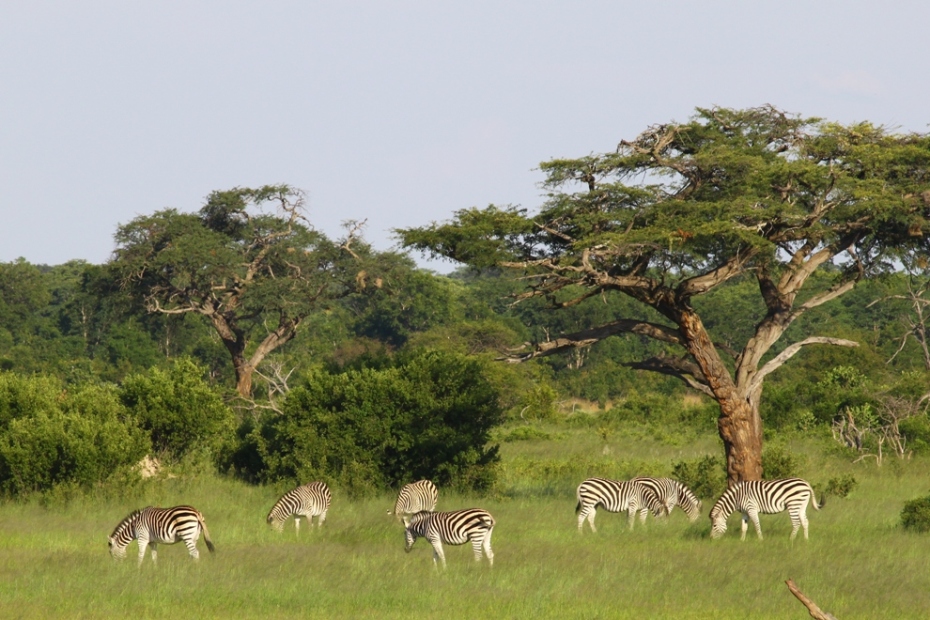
[(859, 562)]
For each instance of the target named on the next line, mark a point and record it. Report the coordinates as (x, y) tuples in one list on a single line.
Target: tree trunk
[(244, 372), (739, 425), (740, 429)]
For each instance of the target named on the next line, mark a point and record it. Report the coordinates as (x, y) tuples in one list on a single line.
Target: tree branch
[(774, 363), (587, 337), (815, 611)]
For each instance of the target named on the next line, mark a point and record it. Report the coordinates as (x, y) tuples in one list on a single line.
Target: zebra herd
[(416, 505)]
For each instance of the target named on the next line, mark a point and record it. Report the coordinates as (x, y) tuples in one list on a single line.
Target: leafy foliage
[(51, 436), (427, 416), (916, 515), (178, 409)]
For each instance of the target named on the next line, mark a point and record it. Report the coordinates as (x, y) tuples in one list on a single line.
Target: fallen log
[(815, 611)]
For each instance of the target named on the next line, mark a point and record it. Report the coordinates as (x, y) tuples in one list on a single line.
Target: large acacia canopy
[(686, 207)]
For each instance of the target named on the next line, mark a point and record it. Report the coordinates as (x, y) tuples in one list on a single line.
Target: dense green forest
[(239, 339), (399, 382)]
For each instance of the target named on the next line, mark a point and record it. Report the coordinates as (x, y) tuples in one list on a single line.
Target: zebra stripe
[(151, 526), (614, 496), (307, 501), (672, 493), (767, 497), (415, 497), (452, 528)]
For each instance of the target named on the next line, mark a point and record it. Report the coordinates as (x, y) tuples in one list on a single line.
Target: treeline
[(390, 383)]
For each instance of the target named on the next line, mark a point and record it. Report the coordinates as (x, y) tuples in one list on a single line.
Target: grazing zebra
[(614, 496), (452, 528), (767, 497), (307, 501), (672, 493), (151, 525), (415, 497)]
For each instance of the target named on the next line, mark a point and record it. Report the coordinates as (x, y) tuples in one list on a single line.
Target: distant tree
[(687, 207), (256, 275)]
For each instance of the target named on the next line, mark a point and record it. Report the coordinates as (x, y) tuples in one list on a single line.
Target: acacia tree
[(687, 207), (248, 261)]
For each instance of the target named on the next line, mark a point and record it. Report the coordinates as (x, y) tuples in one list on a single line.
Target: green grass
[(859, 562)]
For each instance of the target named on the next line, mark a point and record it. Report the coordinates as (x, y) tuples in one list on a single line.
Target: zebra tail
[(823, 501), (206, 534), (578, 507)]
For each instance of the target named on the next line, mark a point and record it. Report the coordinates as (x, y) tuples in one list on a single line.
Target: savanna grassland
[(859, 562)]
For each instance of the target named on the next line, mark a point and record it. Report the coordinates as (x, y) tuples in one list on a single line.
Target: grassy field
[(859, 562)]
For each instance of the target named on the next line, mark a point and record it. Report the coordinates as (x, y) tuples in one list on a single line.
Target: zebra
[(151, 525), (614, 496), (767, 497), (672, 493), (452, 528), (308, 501), (415, 497)]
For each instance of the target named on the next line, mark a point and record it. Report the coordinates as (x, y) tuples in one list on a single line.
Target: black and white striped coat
[(307, 501), (452, 528), (614, 496), (151, 526), (766, 497), (672, 493), (415, 497)]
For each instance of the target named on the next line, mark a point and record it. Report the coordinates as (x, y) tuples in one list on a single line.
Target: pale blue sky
[(398, 112)]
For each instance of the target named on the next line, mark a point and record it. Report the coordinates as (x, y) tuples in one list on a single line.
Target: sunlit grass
[(859, 563)]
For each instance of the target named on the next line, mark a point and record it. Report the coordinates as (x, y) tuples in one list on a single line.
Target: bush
[(778, 463), (428, 416), (180, 411), (705, 476), (51, 437), (916, 515), (841, 486)]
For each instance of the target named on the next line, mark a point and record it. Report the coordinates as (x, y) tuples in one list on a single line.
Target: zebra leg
[(631, 518), (192, 547), (643, 512), (744, 525), (754, 515), (437, 552), (587, 512), (154, 548), (143, 543), (322, 517), (297, 524)]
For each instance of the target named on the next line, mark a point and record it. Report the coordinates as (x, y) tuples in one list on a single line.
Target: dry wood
[(812, 607)]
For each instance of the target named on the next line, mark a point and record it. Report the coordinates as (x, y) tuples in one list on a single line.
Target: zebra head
[(415, 526), (692, 508), (117, 551), (718, 522), (122, 535)]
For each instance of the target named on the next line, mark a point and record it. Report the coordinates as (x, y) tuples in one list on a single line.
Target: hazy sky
[(398, 112)]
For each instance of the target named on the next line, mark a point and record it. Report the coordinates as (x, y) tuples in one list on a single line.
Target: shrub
[(778, 463), (428, 416), (705, 476), (916, 515), (54, 437), (841, 486), (180, 411)]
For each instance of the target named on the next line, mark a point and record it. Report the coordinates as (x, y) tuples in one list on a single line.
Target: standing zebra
[(672, 493), (308, 501), (151, 525), (767, 497), (614, 496), (415, 497), (452, 528)]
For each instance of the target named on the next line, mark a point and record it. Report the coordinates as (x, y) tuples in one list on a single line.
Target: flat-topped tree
[(687, 207), (248, 261)]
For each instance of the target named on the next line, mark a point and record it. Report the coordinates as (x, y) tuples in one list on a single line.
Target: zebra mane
[(127, 520)]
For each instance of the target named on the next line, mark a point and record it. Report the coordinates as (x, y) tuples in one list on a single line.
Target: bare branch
[(587, 337), (815, 611), (790, 352)]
